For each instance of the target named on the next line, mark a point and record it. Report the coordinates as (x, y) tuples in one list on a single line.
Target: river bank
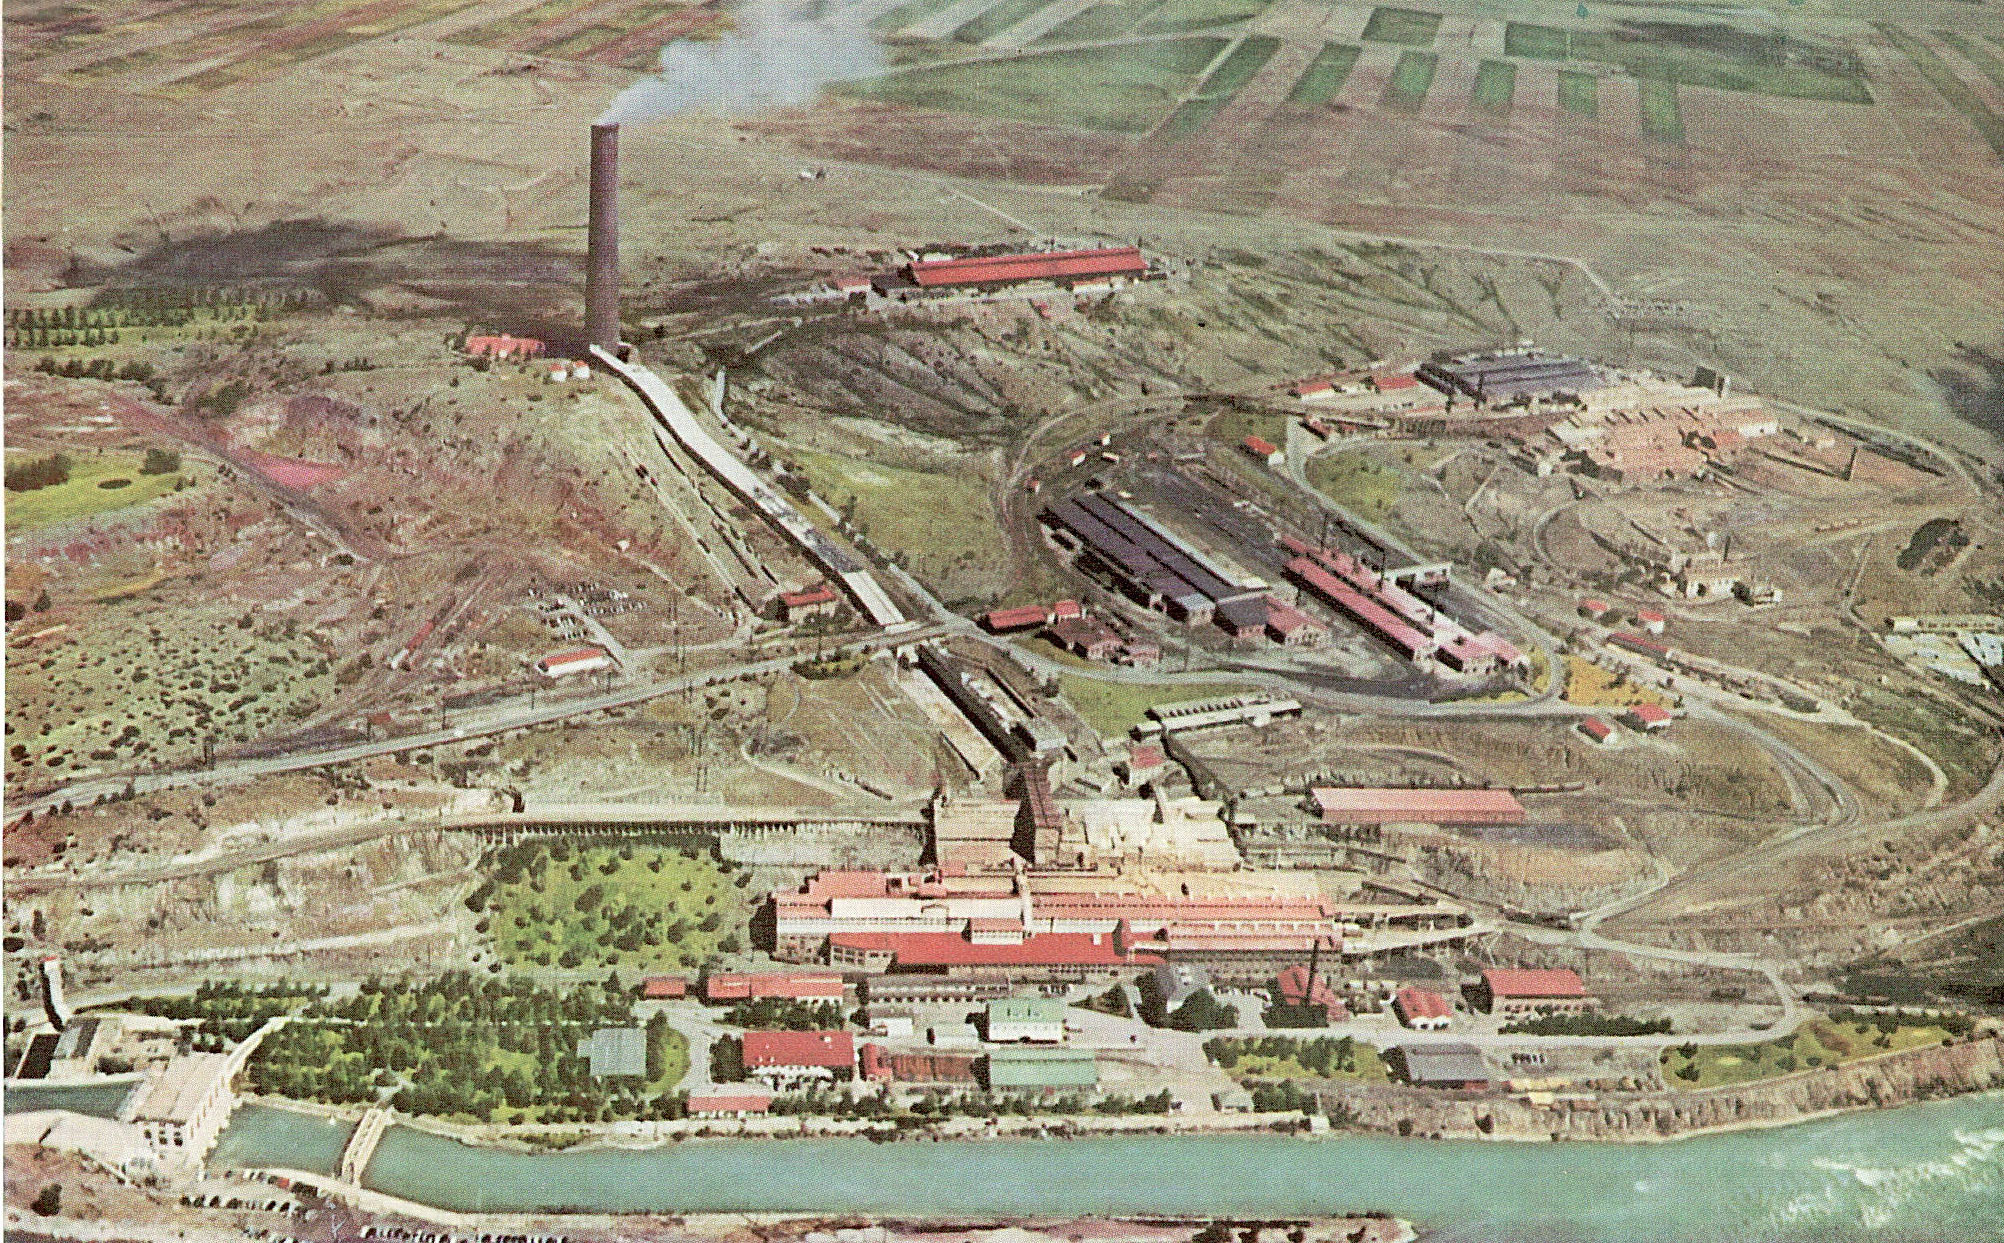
[(1886, 1081)]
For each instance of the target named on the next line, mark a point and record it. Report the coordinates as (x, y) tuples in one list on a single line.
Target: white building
[(183, 1107)]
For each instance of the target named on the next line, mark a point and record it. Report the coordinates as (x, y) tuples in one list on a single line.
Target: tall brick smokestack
[(602, 238)]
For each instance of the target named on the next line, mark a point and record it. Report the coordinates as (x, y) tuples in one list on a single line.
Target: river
[(1927, 1173)]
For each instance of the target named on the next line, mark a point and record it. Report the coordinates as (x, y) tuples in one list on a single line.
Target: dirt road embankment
[(1892, 1079)]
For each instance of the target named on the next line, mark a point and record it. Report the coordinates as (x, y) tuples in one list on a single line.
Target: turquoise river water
[(1927, 1173)]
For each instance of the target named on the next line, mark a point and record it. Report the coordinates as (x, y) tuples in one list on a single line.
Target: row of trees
[(1323, 1056), (1585, 1025), (785, 1014), (942, 1103)]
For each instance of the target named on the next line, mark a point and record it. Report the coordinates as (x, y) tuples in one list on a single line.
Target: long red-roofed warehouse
[(1395, 805), (1057, 265)]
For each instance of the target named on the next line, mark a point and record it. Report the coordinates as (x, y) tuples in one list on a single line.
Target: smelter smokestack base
[(602, 241)]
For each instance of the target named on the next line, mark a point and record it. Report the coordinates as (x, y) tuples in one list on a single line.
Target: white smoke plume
[(776, 58)]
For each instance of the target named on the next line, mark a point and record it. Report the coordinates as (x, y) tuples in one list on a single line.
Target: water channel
[(1927, 1173)]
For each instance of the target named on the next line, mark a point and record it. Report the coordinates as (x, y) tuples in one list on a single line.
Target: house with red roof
[(663, 987), (1649, 718), (819, 600), (1264, 450), (1551, 990), (1422, 1009), (1600, 731)]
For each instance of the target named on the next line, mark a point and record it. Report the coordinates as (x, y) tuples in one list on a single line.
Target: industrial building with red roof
[(1517, 990), (1001, 621), (1295, 986), (791, 985), (799, 1052), (1063, 266), (1398, 805)]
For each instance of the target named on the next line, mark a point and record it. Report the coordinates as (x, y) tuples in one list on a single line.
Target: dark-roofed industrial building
[(1458, 1066), (1153, 568), (1501, 376)]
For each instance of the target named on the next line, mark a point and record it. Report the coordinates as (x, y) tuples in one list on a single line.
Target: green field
[(86, 495), (1714, 56), (909, 14), (1821, 1042), (1579, 93), (1178, 16), (1357, 483), (1947, 85), (639, 906), (1126, 89), (1112, 708), (956, 525), (1412, 78), (1976, 54), (1325, 75), (1102, 21), (1661, 116), (1495, 86), (1413, 27), (999, 18)]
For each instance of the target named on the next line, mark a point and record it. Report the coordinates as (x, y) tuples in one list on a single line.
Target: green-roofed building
[(1026, 1020), (1017, 1069)]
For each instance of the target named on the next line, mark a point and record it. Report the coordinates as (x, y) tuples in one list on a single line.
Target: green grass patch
[(1189, 117), (1178, 16), (1413, 27), (1714, 56), (1325, 75), (1495, 86), (1357, 483), (1112, 708), (98, 484), (909, 14), (1579, 93), (1126, 89), (1412, 78), (1101, 21), (1248, 1058), (1820, 1042), (1976, 54), (1661, 116), (993, 21), (1947, 85), (956, 524), (637, 906), (1535, 41), (1247, 59), (1233, 424)]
